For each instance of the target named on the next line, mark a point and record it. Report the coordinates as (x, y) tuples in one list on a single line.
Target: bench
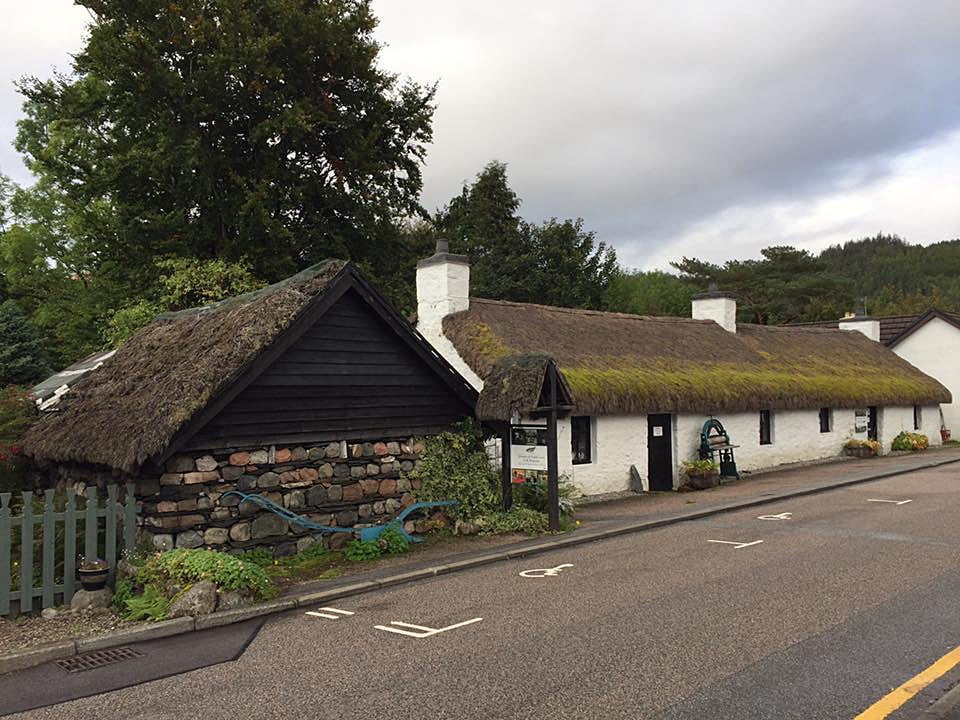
[(714, 440)]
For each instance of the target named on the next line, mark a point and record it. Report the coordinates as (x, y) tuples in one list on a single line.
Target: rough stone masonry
[(338, 484)]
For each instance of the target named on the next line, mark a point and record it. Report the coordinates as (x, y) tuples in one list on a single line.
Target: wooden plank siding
[(349, 377)]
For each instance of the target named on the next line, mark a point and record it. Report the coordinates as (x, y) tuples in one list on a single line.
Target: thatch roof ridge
[(587, 313), (167, 372)]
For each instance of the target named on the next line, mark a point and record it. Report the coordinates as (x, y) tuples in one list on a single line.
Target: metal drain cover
[(99, 658)]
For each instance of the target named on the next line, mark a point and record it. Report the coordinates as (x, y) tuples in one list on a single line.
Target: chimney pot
[(443, 245)]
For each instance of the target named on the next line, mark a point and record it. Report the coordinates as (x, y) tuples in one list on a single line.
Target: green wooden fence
[(56, 561)]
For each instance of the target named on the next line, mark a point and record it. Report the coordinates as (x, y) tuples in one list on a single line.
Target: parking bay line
[(895, 502), (737, 545), (422, 632), (327, 615)]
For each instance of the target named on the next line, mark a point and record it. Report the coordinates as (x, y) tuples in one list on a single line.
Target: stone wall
[(336, 484)]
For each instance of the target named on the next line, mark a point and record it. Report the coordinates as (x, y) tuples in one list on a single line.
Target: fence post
[(48, 538), (4, 553), (110, 543), (26, 553), (90, 526), (130, 518), (69, 545)]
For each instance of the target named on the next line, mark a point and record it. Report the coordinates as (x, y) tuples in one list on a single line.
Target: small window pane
[(824, 420), (580, 438), (765, 438)]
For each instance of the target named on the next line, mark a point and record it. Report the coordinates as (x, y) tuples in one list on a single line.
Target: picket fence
[(58, 560)]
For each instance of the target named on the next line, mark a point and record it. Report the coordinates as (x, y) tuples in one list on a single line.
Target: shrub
[(533, 494), (361, 550), (394, 541), (183, 566), (16, 413), (151, 605), (455, 466), (855, 443), (121, 594), (910, 441), (258, 556), (519, 520)]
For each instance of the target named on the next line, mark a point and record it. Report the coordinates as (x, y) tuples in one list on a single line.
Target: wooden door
[(660, 452)]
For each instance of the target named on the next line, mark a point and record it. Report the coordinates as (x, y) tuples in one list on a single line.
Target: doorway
[(660, 452), (872, 430)]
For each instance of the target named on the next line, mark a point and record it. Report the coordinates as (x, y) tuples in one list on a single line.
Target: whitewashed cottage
[(640, 388)]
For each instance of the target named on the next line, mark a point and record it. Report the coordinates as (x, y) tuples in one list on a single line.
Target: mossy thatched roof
[(615, 363), (514, 385), (127, 411)]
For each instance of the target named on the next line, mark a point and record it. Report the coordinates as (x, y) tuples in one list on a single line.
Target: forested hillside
[(883, 275)]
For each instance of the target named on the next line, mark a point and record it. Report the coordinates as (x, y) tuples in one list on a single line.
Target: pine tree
[(22, 353)]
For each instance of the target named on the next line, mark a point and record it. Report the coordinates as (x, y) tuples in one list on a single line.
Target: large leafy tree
[(556, 262), (261, 131)]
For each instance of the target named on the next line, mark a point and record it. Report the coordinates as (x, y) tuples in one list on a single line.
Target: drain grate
[(93, 660)]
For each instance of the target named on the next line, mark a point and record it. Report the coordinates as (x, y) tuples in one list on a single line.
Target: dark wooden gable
[(350, 376)]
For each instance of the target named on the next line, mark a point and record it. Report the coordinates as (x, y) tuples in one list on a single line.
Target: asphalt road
[(840, 602)]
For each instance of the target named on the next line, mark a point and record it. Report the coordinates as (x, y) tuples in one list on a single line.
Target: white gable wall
[(934, 348)]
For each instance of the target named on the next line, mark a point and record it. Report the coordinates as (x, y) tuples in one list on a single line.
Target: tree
[(184, 283), (649, 293), (23, 358), (784, 286), (556, 263), (261, 131)]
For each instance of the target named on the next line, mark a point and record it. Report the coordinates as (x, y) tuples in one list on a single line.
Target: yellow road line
[(898, 697)]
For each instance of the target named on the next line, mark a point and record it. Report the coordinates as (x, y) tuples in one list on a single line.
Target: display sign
[(658, 430), (528, 451), (860, 421)]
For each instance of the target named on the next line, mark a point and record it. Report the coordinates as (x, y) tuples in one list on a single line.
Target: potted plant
[(701, 474), (93, 574), (861, 448)]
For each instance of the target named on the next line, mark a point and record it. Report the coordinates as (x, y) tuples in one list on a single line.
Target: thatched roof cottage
[(310, 391), (640, 388)]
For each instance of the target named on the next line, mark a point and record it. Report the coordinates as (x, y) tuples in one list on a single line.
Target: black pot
[(93, 579)]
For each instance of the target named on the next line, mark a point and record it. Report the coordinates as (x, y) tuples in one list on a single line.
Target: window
[(580, 439), (765, 436), (917, 417), (825, 420)]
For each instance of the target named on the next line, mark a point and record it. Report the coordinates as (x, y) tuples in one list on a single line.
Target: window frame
[(580, 424), (766, 427), (826, 419)]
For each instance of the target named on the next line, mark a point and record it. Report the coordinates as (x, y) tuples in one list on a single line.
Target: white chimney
[(721, 307), (860, 323), (443, 287)]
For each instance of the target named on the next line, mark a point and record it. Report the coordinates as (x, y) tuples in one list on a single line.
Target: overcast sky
[(708, 129)]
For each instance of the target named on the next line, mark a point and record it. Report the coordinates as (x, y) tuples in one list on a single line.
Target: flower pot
[(93, 579), (702, 481)]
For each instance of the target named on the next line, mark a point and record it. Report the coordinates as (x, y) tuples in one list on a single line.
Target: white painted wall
[(935, 349), (894, 420), (621, 441), (443, 287)]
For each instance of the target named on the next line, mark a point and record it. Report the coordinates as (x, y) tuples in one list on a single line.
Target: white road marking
[(895, 502), (323, 615), (423, 632), (781, 516), (335, 610), (544, 572), (736, 545)]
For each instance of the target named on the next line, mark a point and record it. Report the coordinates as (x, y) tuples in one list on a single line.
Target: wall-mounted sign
[(528, 451), (658, 430), (860, 421)]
